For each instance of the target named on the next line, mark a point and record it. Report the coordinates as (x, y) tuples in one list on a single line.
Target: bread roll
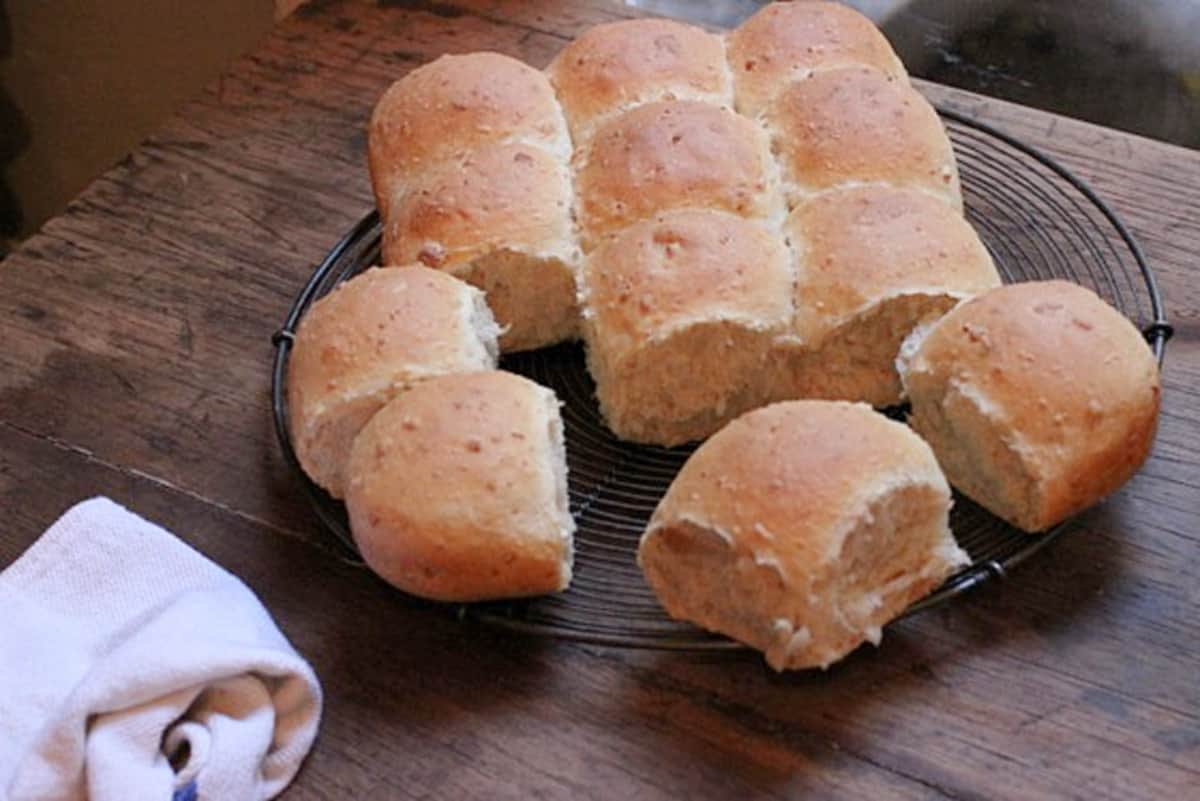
[(858, 125), (784, 42), (457, 490), (873, 263), (612, 67), (801, 529), (500, 219), (681, 311), (1039, 399), (468, 160), (367, 341), (668, 155), (445, 110)]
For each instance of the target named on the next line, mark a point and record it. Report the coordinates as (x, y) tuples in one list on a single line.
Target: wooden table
[(134, 363)]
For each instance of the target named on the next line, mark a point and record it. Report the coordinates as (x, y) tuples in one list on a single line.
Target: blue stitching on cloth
[(186, 793)]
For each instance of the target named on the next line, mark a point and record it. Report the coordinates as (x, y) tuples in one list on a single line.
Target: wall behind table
[(83, 81)]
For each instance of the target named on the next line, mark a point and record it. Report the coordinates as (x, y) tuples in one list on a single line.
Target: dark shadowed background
[(83, 81)]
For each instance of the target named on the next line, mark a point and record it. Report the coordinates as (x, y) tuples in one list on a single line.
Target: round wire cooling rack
[(1038, 220)]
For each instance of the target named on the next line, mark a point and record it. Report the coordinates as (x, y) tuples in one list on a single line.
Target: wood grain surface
[(134, 362)]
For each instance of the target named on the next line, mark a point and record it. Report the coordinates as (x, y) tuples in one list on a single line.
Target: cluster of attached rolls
[(453, 472), (729, 222), (765, 216)]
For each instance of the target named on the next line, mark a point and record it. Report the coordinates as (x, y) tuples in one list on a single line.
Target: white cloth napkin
[(122, 650)]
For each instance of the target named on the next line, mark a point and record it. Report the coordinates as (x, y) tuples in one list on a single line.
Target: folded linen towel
[(132, 667)]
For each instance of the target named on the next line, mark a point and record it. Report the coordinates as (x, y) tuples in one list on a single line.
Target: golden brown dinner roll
[(873, 263), (444, 110), (457, 490), (612, 67), (681, 311), (367, 341), (500, 219), (801, 529), (786, 41), (858, 125), (669, 155), (1039, 399)]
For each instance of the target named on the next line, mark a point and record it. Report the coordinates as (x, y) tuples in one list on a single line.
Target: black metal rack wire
[(1038, 220)]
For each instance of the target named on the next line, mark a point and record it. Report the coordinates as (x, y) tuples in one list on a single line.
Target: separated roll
[(457, 490), (801, 529), (1039, 399)]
